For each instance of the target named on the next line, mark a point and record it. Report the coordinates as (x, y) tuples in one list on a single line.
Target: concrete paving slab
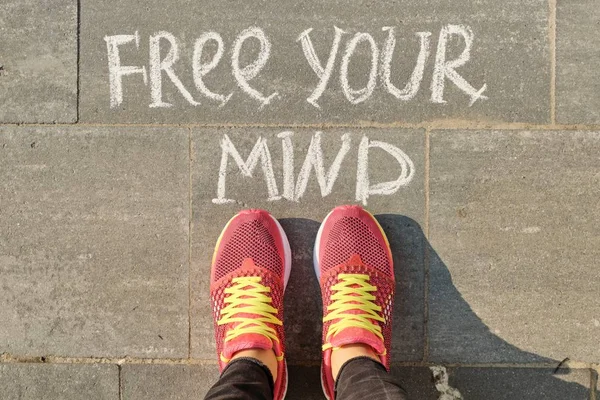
[(59, 381), (498, 50), (401, 214), (94, 250), (514, 246), (38, 61), (304, 383), (417, 381), (167, 382), (577, 55), (520, 383)]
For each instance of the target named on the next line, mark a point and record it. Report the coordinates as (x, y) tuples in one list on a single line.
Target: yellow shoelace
[(353, 292), (247, 296)]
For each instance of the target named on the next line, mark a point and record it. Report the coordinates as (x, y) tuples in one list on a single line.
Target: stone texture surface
[(510, 54), (59, 381), (521, 383), (401, 215), (514, 246), (94, 249), (38, 61), (417, 381), (577, 73), (167, 382)]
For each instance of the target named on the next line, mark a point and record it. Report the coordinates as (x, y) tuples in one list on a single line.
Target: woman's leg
[(244, 378), (363, 378)]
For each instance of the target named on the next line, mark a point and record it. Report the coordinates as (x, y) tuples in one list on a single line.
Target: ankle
[(339, 356), (267, 357)]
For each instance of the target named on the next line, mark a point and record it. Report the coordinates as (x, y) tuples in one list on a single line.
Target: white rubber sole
[(287, 253), (316, 250), (317, 268)]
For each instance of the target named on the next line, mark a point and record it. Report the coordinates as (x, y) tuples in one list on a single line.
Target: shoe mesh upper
[(249, 240), (349, 236)]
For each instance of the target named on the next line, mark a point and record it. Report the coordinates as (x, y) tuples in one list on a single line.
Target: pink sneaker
[(250, 268), (353, 262)]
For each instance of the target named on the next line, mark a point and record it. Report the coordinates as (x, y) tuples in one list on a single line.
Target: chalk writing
[(201, 69), (379, 71), (313, 161), (447, 69), (313, 60), (243, 75), (359, 95), (413, 85), (157, 66), (363, 187), (118, 71), (261, 152)]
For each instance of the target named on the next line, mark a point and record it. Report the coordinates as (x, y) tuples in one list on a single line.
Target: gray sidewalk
[(131, 131)]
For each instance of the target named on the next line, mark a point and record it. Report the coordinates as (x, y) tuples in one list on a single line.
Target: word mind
[(160, 69), (293, 188)]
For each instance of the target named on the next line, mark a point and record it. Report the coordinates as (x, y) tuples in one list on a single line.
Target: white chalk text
[(294, 188), (165, 48)]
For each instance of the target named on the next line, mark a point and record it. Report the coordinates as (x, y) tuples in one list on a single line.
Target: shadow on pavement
[(409, 246)]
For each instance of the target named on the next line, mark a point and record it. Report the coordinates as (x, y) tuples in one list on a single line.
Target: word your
[(326, 178), (380, 69)]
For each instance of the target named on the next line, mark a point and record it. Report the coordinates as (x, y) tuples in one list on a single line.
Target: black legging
[(359, 379)]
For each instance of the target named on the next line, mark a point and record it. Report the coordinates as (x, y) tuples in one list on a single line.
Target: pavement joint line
[(427, 171), (441, 125), (13, 359), (16, 359), (189, 242), (593, 382), (569, 365), (120, 382), (426, 249), (552, 39), (78, 107)]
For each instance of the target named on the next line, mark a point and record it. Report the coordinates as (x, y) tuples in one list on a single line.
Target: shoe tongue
[(353, 335), (245, 342)]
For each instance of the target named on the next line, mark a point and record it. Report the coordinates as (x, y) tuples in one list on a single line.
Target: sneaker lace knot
[(249, 308), (353, 305)]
